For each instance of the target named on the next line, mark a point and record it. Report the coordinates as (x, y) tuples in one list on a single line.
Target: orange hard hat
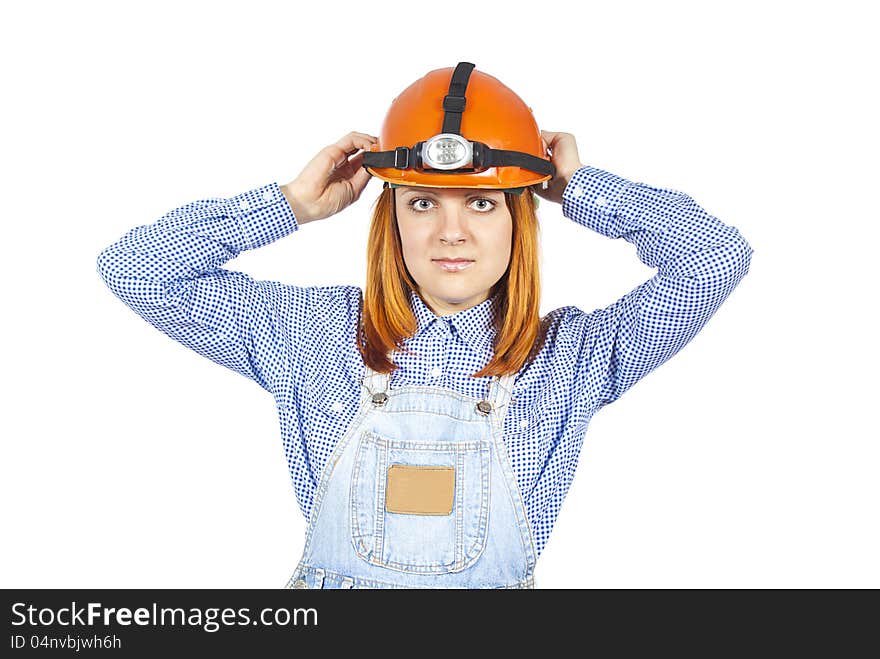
[(459, 128)]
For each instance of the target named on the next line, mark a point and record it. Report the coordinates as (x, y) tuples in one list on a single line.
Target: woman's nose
[(452, 228)]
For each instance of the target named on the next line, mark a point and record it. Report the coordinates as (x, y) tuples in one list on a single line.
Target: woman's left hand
[(563, 152)]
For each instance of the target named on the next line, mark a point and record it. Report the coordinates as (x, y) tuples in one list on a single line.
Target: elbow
[(741, 256), (732, 263), (110, 266), (732, 257), (724, 265), (726, 259), (103, 265), (106, 268)]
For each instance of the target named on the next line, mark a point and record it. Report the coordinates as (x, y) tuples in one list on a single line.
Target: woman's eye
[(482, 205)]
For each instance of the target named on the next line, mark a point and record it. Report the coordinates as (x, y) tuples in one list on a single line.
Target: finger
[(539, 191), (361, 176), (353, 141), (360, 141), (346, 157), (356, 162), (334, 157), (329, 159), (350, 167), (339, 154), (551, 138)]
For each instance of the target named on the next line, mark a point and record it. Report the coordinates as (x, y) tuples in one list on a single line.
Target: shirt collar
[(475, 325)]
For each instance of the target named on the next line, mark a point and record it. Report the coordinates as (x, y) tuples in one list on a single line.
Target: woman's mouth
[(453, 265)]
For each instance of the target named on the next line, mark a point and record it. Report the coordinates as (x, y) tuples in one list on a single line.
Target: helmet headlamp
[(447, 151)]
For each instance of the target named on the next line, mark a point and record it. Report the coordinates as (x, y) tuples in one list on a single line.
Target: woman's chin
[(451, 297)]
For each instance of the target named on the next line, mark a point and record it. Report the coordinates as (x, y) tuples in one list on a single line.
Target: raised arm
[(699, 261), (170, 273)]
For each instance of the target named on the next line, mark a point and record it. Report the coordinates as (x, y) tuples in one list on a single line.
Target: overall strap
[(500, 391), (375, 382), (499, 394)]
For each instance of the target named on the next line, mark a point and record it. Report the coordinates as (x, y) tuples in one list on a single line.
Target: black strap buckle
[(479, 155), (454, 103), (401, 157)]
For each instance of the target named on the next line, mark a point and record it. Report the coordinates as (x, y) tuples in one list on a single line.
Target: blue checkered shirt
[(298, 342)]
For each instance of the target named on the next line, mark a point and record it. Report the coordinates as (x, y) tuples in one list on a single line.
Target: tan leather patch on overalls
[(420, 490)]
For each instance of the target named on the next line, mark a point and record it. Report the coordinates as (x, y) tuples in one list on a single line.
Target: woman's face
[(439, 223)]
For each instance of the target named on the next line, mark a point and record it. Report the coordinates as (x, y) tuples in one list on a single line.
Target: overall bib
[(419, 493)]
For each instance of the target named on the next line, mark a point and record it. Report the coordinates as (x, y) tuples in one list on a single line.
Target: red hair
[(386, 318)]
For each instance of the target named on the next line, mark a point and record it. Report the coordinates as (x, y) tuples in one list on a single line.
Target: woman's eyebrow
[(469, 195)]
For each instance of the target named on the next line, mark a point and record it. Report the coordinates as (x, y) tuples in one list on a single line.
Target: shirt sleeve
[(170, 274), (699, 261)]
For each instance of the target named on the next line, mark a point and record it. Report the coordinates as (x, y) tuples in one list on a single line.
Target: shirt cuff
[(591, 198), (263, 214)]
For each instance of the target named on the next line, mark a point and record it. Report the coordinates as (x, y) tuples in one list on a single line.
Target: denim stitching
[(461, 558), (379, 521), (362, 413), (459, 507), (304, 570), (500, 395)]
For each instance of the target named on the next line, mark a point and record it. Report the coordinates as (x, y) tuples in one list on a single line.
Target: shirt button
[(523, 423), (601, 201), (244, 205), (336, 407), (268, 195), (578, 191), (436, 372)]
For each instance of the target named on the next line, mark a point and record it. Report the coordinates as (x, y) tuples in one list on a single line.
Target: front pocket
[(399, 503)]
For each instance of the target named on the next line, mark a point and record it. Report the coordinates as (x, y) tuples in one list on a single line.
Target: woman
[(432, 422)]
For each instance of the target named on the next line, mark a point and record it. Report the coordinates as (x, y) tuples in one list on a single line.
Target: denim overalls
[(419, 493)]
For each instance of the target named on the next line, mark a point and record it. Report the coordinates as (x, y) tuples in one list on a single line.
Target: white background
[(750, 459)]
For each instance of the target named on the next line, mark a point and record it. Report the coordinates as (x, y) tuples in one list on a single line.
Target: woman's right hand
[(331, 181)]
